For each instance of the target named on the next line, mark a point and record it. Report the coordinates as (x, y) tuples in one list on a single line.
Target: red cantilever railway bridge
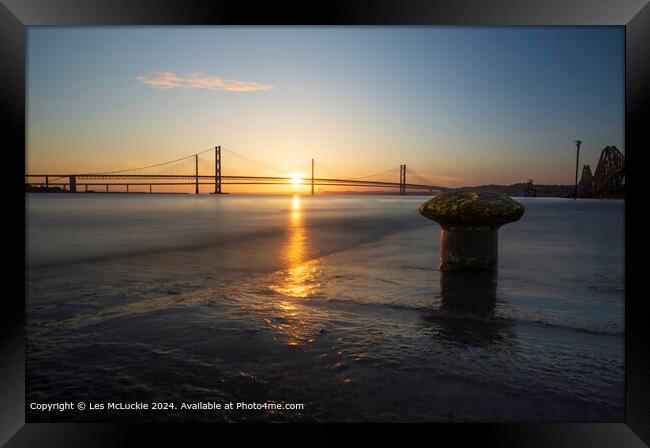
[(191, 170), (609, 175)]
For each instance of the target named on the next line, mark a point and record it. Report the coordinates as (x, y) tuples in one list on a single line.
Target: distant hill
[(557, 191)]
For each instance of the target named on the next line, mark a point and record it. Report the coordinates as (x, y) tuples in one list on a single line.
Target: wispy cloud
[(169, 80)]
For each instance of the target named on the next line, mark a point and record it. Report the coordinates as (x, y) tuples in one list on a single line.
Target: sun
[(296, 178)]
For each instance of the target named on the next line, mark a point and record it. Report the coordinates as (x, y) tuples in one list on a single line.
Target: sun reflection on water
[(290, 315), (298, 280)]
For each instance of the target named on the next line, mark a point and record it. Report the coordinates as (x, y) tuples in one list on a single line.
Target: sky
[(461, 106)]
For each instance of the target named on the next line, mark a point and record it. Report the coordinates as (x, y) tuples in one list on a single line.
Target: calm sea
[(332, 302)]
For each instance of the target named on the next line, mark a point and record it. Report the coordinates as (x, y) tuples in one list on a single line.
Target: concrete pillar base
[(469, 249)]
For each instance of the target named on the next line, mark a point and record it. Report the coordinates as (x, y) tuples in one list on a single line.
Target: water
[(333, 302)]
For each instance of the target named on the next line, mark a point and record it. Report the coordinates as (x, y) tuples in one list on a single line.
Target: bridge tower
[(586, 184), (217, 169), (312, 177), (610, 171), (401, 175), (196, 174)]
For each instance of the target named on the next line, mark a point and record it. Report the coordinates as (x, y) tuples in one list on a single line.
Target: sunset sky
[(463, 106)]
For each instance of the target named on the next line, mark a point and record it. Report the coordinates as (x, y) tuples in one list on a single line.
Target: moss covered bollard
[(470, 223)]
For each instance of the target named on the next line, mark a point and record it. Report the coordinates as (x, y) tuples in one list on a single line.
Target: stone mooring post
[(470, 222)]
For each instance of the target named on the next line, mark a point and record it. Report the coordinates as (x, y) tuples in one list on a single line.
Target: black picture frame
[(15, 15)]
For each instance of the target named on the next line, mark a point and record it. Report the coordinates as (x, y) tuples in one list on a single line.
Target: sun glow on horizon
[(296, 178)]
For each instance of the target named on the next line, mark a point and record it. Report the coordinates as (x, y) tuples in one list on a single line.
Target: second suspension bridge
[(207, 168)]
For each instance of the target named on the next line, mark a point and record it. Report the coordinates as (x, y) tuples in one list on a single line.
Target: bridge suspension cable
[(380, 176), (240, 165), (157, 165), (323, 170), (418, 177)]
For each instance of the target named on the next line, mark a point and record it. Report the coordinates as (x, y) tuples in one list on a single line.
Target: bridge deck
[(176, 179)]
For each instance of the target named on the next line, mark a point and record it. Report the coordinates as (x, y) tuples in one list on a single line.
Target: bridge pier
[(73, 184), (106, 188), (150, 189), (127, 188)]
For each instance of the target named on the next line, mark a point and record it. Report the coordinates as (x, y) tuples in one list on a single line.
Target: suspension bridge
[(217, 167)]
